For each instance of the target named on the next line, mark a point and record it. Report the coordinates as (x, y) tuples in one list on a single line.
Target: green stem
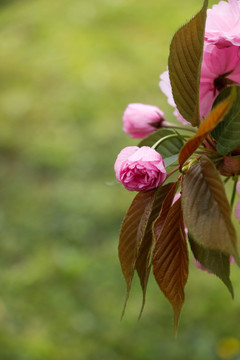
[(180, 128), (173, 171), (202, 148), (202, 152), (188, 164), (226, 180), (234, 190), (166, 138)]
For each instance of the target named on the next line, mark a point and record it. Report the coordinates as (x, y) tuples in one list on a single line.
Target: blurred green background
[(68, 69)]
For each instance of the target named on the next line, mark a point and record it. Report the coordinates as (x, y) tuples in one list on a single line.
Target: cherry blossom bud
[(141, 120), (140, 168)]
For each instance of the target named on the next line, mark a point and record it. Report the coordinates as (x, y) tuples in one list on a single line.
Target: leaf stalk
[(166, 138), (234, 190)]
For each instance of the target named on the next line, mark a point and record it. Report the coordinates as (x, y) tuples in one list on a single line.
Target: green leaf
[(170, 160), (136, 237), (170, 259), (214, 260), (184, 65), (168, 149), (227, 133), (206, 209), (216, 115)]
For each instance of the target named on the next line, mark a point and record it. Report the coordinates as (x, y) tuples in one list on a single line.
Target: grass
[(68, 69)]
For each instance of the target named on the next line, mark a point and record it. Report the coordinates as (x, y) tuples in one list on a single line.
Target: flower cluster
[(220, 68), (202, 83), (140, 168)]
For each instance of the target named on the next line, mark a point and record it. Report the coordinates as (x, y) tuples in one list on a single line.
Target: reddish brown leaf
[(136, 236), (143, 263), (206, 209), (211, 121), (159, 222), (184, 65), (131, 234), (170, 259)]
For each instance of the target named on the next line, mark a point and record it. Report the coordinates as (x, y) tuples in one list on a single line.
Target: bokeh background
[(68, 69)]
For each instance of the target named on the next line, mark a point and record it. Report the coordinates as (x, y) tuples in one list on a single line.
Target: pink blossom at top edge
[(220, 68), (223, 24)]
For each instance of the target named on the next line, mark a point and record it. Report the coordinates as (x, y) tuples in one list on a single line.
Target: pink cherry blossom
[(220, 68), (140, 120), (165, 86), (223, 24), (237, 208), (140, 168)]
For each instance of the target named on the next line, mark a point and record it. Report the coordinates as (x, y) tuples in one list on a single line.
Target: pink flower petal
[(200, 266), (122, 156), (238, 188), (237, 211), (166, 88), (237, 208)]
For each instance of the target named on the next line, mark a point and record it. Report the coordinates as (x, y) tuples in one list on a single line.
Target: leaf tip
[(125, 304), (142, 307), (176, 320)]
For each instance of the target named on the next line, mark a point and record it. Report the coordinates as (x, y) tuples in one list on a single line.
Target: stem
[(206, 150), (188, 164), (166, 138), (163, 139), (202, 152), (210, 143), (219, 158), (226, 180), (234, 190), (180, 128), (173, 171)]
